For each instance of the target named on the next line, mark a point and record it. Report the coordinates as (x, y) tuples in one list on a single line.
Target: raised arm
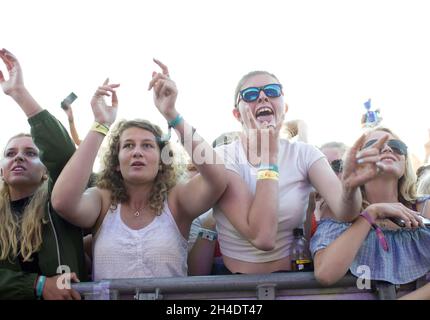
[(69, 112), (48, 133), (201, 192), (14, 86), (333, 262), (255, 217), (69, 197)]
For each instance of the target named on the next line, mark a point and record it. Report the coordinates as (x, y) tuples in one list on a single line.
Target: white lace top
[(157, 250)]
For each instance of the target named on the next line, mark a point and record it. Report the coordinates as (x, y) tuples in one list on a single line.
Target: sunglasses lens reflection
[(337, 165)]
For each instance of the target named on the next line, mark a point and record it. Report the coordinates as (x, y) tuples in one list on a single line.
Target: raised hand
[(15, 81), (361, 166), (165, 91), (268, 136), (381, 211), (104, 113)]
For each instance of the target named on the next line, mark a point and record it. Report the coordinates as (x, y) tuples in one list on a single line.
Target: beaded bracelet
[(378, 230)]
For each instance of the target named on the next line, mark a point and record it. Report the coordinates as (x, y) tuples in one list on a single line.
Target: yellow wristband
[(101, 128), (267, 174)]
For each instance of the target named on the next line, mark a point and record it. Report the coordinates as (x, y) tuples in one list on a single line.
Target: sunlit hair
[(407, 188), (424, 184), (335, 145), (22, 236), (246, 77), (112, 180)]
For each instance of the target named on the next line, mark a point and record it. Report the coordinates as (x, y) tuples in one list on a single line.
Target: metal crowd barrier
[(288, 285)]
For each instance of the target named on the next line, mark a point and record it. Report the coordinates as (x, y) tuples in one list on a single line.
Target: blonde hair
[(22, 235), (424, 184), (112, 180), (407, 188)]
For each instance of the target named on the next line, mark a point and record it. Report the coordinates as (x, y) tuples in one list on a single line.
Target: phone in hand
[(68, 101), (426, 221), (401, 222)]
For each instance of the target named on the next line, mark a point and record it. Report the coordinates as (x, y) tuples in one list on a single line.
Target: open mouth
[(264, 114), (138, 164), (18, 169)]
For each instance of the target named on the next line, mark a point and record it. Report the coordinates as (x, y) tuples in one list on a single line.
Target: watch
[(207, 234)]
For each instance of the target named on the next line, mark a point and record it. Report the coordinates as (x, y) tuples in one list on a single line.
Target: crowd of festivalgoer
[(231, 210)]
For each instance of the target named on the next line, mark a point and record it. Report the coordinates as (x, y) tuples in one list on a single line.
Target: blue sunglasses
[(251, 94)]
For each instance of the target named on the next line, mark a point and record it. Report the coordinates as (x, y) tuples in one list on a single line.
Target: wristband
[(378, 230), (267, 174), (272, 167), (207, 234), (39, 286), (175, 122), (100, 128)]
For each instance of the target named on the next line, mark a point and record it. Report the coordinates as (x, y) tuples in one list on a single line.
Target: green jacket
[(62, 242)]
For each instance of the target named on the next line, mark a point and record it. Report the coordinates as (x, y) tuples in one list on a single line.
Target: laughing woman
[(139, 216), (269, 181)]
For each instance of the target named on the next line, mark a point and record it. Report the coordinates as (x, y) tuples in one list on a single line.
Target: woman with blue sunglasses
[(269, 181), (388, 236)]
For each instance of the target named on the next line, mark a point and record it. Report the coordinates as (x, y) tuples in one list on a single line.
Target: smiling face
[(394, 162), (265, 110), (139, 156), (21, 167)]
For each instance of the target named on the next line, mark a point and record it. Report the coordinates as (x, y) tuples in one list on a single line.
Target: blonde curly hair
[(111, 179)]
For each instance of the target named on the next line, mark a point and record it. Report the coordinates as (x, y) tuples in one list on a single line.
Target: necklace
[(137, 213)]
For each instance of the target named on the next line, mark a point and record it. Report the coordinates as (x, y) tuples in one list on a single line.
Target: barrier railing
[(288, 285)]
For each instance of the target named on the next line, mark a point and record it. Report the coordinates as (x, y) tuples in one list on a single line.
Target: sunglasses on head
[(337, 165), (397, 146), (251, 94)]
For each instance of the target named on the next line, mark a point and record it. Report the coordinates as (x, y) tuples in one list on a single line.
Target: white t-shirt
[(294, 162)]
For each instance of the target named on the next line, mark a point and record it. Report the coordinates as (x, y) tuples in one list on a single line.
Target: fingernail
[(359, 161)]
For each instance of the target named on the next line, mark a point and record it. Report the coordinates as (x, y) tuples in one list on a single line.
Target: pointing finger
[(379, 144), (114, 99), (162, 66)]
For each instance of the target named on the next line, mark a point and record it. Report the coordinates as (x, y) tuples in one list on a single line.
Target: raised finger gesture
[(103, 112), (15, 81), (164, 89), (362, 166), (267, 134)]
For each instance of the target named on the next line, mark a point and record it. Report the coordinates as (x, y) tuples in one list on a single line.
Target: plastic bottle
[(301, 259)]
